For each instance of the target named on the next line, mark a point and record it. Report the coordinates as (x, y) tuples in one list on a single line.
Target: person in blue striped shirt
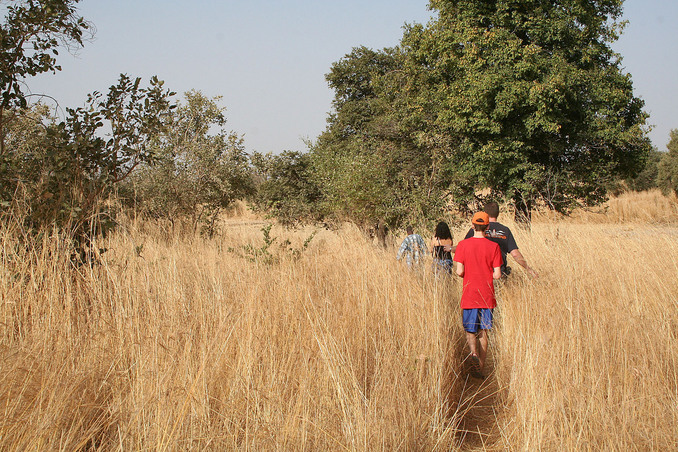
[(413, 248)]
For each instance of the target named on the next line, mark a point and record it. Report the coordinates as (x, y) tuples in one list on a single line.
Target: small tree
[(65, 170), (284, 187), (667, 171), (25, 140), (198, 171)]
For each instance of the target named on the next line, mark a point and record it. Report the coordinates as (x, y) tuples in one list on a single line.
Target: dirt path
[(473, 404)]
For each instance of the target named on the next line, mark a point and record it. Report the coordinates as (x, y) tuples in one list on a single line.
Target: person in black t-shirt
[(502, 235)]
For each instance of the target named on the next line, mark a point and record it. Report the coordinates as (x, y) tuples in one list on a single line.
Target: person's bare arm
[(460, 269), (518, 256), (496, 273)]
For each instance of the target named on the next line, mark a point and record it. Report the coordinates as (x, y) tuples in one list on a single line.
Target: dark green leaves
[(532, 97), (29, 37), (523, 100)]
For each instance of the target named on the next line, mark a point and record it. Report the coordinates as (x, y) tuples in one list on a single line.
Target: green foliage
[(518, 100), (25, 138), (266, 254), (369, 163), (197, 171), (531, 97), (667, 171), (253, 254), (647, 177), (30, 36), (284, 187), (62, 173)]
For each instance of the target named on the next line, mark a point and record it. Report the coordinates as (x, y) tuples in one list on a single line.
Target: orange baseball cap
[(480, 218)]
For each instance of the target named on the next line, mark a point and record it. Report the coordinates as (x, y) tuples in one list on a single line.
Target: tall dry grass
[(176, 342), (630, 207)]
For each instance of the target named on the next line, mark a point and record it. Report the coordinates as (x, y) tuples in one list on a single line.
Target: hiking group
[(480, 259)]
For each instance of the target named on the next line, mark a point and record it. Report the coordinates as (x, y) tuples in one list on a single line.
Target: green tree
[(285, 189), (198, 171), (26, 138), (369, 163), (524, 98), (667, 171), (528, 99), (30, 38), (62, 172), (647, 178)]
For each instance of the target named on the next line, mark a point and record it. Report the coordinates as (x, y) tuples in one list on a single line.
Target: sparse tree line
[(520, 101)]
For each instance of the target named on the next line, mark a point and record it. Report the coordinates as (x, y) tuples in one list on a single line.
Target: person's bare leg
[(482, 351), (472, 343)]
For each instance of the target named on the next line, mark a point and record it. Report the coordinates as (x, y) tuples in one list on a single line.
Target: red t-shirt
[(479, 256)]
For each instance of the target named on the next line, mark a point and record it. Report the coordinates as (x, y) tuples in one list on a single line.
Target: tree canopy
[(523, 99)]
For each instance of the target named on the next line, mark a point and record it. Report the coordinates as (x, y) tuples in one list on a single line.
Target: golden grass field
[(174, 342)]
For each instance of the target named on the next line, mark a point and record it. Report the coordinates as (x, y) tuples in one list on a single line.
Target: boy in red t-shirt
[(479, 263)]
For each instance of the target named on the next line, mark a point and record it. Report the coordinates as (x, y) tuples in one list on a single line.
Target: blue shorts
[(476, 319)]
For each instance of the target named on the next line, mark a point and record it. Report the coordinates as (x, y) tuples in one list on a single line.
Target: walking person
[(441, 248), (479, 263), (502, 236), (413, 248)]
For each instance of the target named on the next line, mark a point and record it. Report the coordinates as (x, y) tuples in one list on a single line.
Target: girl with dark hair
[(441, 248)]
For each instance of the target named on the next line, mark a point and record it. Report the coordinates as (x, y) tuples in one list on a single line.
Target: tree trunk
[(382, 231), (523, 213)]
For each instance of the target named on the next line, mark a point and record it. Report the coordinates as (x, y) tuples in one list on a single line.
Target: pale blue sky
[(268, 58)]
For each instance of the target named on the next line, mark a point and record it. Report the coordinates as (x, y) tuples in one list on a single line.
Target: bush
[(285, 190), (667, 170), (197, 173), (647, 178), (61, 174)]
